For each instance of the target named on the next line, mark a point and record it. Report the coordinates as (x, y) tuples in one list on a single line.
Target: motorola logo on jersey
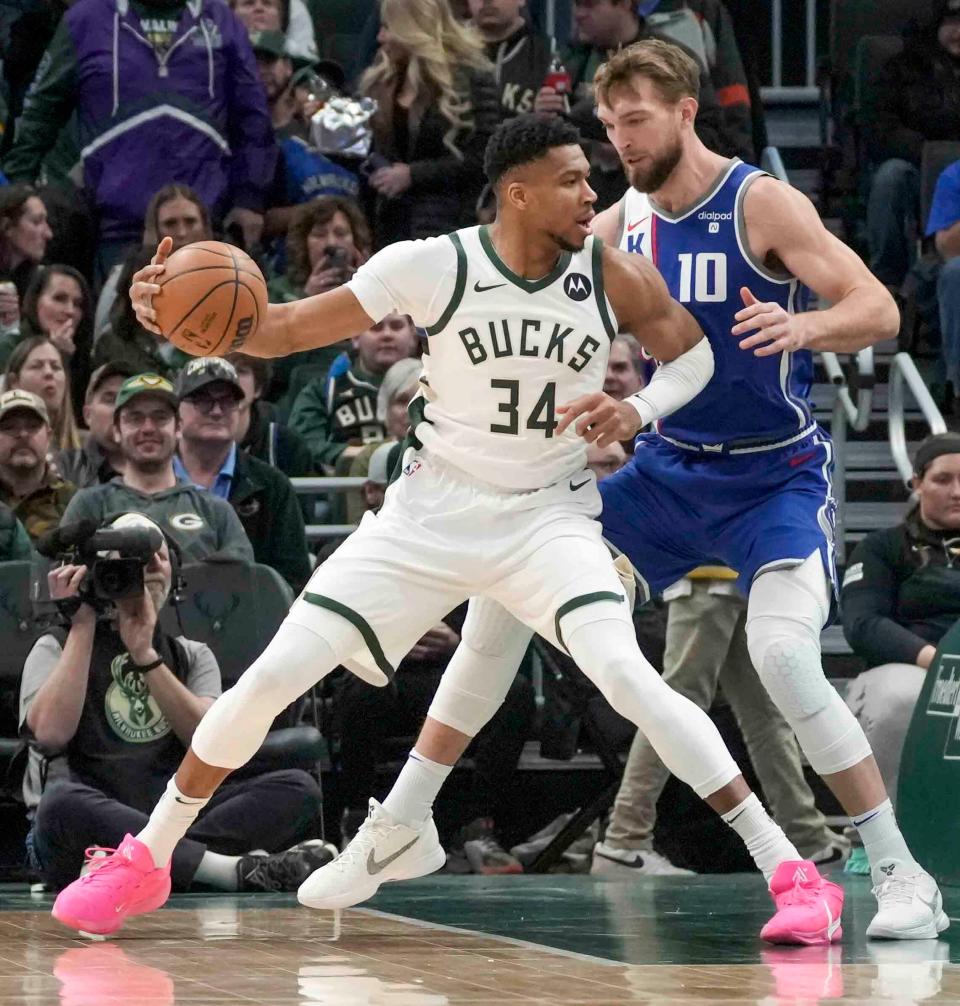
[(577, 287)]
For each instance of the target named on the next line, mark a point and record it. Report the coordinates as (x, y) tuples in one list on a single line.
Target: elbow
[(49, 737), (888, 321)]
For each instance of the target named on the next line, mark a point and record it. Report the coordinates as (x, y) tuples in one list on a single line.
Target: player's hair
[(523, 140), (438, 48), (675, 74), (321, 211), (175, 190)]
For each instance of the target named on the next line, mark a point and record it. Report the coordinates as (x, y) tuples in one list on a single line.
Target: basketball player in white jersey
[(741, 474), (494, 497)]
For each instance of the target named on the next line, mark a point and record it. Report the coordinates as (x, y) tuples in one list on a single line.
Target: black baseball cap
[(204, 370), (104, 373), (931, 449)]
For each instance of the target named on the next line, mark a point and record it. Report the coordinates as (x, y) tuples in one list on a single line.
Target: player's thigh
[(389, 586), (653, 527), (565, 582)]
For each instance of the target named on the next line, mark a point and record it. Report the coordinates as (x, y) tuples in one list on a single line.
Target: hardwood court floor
[(451, 940)]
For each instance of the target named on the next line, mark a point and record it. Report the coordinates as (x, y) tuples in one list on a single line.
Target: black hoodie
[(520, 64)]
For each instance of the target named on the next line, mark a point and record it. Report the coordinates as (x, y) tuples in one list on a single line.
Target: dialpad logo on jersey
[(577, 287), (714, 227), (131, 710), (186, 521), (713, 215)]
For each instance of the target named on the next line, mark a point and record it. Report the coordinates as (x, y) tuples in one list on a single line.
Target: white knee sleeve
[(682, 734), (234, 727), (786, 611), (480, 673)]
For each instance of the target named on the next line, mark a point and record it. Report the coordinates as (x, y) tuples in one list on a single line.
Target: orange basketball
[(212, 298)]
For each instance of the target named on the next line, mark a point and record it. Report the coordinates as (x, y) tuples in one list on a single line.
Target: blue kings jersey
[(703, 255)]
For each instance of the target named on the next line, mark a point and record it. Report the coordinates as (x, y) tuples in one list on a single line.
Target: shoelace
[(278, 873), (896, 889), (100, 863), (361, 843), (797, 895)]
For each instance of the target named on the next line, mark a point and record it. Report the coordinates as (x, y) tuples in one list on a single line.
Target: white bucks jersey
[(502, 356)]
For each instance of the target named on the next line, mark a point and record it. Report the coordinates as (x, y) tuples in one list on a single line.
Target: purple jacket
[(195, 113)]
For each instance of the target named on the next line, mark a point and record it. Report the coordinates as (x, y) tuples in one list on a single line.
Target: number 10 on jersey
[(706, 274)]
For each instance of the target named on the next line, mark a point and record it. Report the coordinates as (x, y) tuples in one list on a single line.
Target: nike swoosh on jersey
[(483, 289), (574, 488), (636, 223), (373, 867)]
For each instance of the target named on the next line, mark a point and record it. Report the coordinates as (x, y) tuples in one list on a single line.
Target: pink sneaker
[(808, 907), (124, 883)]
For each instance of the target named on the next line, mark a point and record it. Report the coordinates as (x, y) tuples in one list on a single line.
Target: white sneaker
[(608, 861), (911, 907), (383, 849)]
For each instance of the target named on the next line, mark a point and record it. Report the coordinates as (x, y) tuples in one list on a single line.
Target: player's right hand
[(144, 287), (600, 419)]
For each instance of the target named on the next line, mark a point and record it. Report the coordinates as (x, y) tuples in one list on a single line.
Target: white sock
[(881, 835), (420, 780), (172, 816), (216, 870), (763, 837)]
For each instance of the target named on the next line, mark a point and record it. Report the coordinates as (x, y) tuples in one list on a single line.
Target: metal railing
[(904, 373), (808, 92), (326, 484), (850, 412)]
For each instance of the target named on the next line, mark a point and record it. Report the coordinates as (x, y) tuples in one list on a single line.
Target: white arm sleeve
[(409, 277), (675, 383)]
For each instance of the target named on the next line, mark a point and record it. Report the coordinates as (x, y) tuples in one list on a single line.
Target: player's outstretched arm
[(669, 333), (783, 226), (315, 321)]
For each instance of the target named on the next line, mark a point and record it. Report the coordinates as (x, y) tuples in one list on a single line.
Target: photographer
[(118, 699)]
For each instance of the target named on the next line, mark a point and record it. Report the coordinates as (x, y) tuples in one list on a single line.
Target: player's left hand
[(392, 181), (779, 332), (600, 419)]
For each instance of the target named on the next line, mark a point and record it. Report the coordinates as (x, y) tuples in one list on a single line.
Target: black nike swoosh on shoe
[(574, 488), (483, 289)]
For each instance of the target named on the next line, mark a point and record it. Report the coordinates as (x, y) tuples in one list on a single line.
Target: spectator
[(114, 701), (14, 540), (336, 415), (29, 485), (36, 365), (291, 18), (303, 172), (223, 148), (918, 99), (944, 227), (901, 594), (58, 305), (706, 647), (125, 340), (437, 106), (100, 459), (146, 424), (259, 431), (210, 394), (624, 375), (381, 464), (367, 716), (177, 212), (24, 235), (520, 57), (328, 239)]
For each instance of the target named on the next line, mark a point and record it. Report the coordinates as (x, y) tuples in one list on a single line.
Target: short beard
[(151, 466), (564, 245), (655, 176)]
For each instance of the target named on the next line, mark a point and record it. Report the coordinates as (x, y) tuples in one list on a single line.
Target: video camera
[(109, 579)]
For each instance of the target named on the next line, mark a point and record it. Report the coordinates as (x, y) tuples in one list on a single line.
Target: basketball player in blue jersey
[(739, 477)]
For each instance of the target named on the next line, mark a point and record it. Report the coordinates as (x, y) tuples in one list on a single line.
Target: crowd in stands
[(194, 119)]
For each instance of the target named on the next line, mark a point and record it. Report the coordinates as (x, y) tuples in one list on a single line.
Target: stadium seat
[(19, 633), (236, 609)]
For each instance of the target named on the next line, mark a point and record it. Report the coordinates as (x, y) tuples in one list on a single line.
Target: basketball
[(212, 298)]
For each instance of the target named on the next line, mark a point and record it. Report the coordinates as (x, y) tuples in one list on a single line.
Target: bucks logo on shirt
[(131, 710)]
